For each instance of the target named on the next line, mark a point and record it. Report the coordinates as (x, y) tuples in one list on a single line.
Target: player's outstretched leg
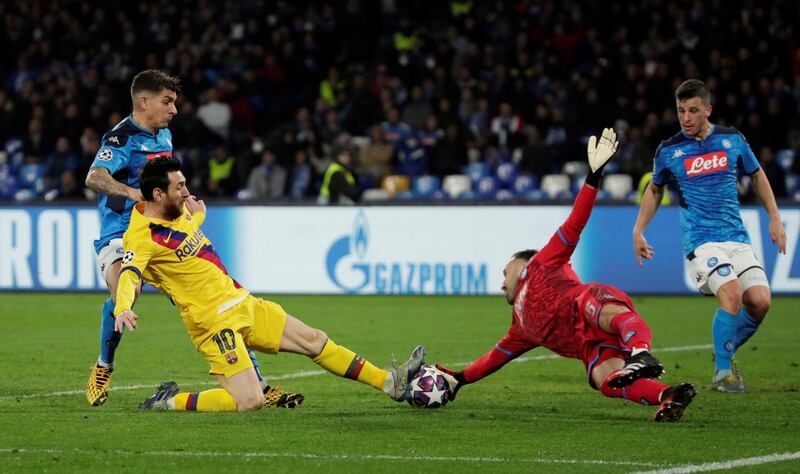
[(401, 375), (674, 401), (100, 377), (159, 400), (640, 365)]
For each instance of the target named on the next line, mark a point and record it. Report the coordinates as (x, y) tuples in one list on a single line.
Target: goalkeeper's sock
[(632, 330), (109, 339), (216, 399), (746, 326), (343, 362), (724, 331), (643, 391)]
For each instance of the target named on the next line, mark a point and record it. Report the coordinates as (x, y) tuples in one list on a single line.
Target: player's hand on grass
[(126, 319), (777, 234), (600, 151), (193, 205), (455, 380), (642, 249)]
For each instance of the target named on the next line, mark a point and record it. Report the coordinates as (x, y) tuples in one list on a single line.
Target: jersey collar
[(710, 132), (130, 117)]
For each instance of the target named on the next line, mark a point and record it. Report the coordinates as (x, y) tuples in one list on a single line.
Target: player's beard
[(172, 211)]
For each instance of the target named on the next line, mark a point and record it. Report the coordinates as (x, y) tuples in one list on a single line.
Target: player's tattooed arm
[(100, 180)]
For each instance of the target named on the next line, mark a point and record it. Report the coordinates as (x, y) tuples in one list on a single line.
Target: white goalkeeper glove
[(600, 151)]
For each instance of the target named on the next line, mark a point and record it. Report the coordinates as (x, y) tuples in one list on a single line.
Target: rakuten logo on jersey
[(708, 163)]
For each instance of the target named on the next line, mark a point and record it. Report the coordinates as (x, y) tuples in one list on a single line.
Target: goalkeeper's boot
[(158, 401), (639, 366), (674, 401), (274, 397), (97, 386), (403, 373)]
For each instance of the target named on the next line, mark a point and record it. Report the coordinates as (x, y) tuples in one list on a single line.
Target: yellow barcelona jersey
[(177, 258)]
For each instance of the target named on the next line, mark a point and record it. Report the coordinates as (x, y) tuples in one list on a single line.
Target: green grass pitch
[(535, 415)]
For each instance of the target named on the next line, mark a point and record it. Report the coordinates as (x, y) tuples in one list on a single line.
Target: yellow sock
[(216, 399), (343, 362)]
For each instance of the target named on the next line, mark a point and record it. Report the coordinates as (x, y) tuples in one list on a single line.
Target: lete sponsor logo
[(708, 163)]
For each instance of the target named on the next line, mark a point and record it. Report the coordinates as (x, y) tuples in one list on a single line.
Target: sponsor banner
[(385, 250)]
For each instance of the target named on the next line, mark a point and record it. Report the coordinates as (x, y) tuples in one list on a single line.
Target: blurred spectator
[(506, 127), (450, 154), (394, 130), (222, 173), (375, 159), (268, 179), (339, 184), (300, 175), (417, 109), (214, 114), (31, 178), (536, 156), (60, 169)]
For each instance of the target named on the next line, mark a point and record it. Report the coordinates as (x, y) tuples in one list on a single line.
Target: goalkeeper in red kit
[(595, 323)]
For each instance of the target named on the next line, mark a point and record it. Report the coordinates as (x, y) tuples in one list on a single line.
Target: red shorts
[(597, 346)]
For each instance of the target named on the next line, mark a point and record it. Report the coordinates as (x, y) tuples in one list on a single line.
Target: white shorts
[(715, 263), (108, 255)]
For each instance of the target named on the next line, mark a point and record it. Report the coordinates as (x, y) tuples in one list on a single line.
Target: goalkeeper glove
[(455, 380), (599, 153)]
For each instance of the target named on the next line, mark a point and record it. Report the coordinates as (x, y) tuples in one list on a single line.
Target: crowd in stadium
[(501, 92)]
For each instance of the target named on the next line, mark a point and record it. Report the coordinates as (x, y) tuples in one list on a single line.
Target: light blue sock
[(746, 326), (109, 340), (724, 331), (252, 355)]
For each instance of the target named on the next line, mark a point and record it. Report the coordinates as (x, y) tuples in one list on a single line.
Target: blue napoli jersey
[(704, 172), (124, 150)]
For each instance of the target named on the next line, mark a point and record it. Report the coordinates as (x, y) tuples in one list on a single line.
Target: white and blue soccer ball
[(429, 388)]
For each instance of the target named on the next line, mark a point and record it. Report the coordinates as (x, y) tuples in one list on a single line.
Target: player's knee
[(250, 402), (757, 307), (314, 340)]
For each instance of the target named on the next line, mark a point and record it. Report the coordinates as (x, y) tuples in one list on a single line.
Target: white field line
[(342, 457), (313, 373), (718, 466)]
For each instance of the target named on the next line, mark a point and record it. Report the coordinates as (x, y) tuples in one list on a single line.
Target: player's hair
[(693, 88), (525, 254), (155, 174), (154, 81)]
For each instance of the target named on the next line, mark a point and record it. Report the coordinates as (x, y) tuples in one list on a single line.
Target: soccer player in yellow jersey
[(165, 247)]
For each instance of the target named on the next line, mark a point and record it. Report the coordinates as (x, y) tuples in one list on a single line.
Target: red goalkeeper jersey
[(545, 311)]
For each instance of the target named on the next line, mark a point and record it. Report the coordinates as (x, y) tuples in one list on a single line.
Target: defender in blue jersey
[(702, 163), (114, 175)]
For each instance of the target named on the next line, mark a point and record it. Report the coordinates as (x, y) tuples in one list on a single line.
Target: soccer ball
[(429, 388)]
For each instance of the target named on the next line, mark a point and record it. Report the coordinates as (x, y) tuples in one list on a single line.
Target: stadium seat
[(504, 195), (506, 173), (552, 184), (618, 186), (456, 184), (425, 186), (487, 187), (395, 183), (375, 195), (525, 184), (476, 171), (575, 168), (577, 183)]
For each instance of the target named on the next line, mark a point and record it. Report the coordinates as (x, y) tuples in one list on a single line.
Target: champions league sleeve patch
[(105, 154), (128, 257)]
